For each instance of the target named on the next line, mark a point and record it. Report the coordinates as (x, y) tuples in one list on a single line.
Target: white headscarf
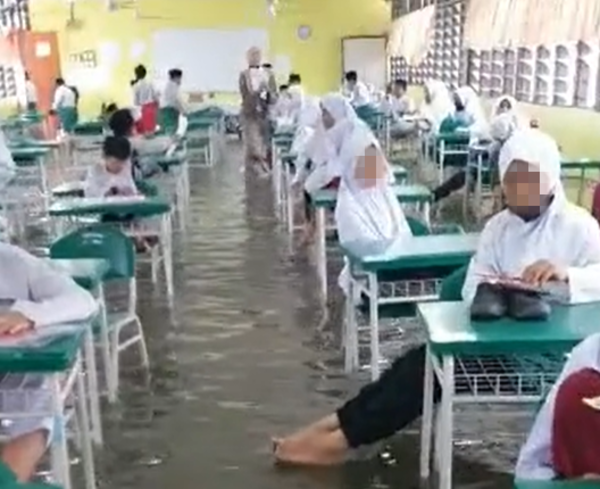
[(514, 110), (309, 118), (344, 116), (440, 106), (503, 126), (538, 150), (473, 107)]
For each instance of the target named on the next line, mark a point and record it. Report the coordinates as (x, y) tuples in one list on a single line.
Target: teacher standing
[(258, 89)]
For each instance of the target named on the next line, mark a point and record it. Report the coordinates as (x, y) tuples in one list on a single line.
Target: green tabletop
[(69, 189), (421, 252), (28, 155), (33, 143), (136, 207), (57, 355), (578, 484), (406, 194), (87, 272), (89, 128), (451, 331), (581, 164), (203, 124)]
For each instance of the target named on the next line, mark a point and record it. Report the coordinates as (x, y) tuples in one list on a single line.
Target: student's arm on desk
[(535, 459), (91, 185), (54, 297), (584, 281), (484, 261)]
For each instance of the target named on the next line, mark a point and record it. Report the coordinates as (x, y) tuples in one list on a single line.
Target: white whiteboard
[(211, 59), (368, 57)]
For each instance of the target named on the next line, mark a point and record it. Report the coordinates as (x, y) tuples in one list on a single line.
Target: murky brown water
[(245, 355)]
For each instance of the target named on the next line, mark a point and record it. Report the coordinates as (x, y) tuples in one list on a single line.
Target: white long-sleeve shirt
[(565, 235), (39, 292), (31, 96), (64, 97), (171, 96), (99, 181), (359, 95), (144, 93)]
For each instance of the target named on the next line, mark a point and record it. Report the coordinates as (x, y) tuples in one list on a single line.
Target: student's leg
[(454, 183), (23, 454), (380, 409), (309, 224)]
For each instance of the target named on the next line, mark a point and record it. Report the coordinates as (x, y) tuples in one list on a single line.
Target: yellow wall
[(317, 59)]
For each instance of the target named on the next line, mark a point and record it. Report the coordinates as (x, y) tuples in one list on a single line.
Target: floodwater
[(248, 353)]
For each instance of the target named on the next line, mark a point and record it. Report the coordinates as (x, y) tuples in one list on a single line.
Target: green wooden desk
[(87, 273), (28, 156), (581, 484), (89, 128), (451, 334), (581, 166), (67, 190)]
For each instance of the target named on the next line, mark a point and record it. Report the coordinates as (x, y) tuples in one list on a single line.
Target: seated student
[(65, 105), (40, 297), (463, 116), (540, 237), (436, 106), (113, 176), (563, 442), (145, 101), (398, 104), (7, 173), (356, 91), (282, 108)]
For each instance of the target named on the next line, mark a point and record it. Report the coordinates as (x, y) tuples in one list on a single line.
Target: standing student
[(38, 296), (145, 101), (31, 95), (356, 90), (65, 105), (296, 92), (540, 237), (257, 89), (171, 96)]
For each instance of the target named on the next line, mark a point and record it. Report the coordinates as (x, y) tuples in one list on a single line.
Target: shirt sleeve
[(54, 298), (7, 164), (58, 98), (484, 262), (584, 285), (93, 186)]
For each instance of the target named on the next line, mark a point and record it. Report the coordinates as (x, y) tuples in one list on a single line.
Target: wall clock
[(304, 32)]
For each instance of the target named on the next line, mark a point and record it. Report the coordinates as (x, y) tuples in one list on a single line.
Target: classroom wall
[(318, 59)]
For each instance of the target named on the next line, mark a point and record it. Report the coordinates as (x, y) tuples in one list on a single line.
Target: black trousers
[(389, 404)]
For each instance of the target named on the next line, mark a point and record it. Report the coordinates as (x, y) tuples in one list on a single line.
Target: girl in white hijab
[(478, 127), (540, 237), (437, 104), (507, 104)]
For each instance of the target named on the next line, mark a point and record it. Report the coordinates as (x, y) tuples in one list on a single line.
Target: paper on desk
[(113, 199), (38, 338)]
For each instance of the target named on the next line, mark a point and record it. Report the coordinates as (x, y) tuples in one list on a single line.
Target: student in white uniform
[(113, 176), (65, 105), (540, 237), (145, 101), (436, 106), (40, 297), (357, 91), (171, 96), (31, 96), (7, 172), (397, 104), (297, 96)]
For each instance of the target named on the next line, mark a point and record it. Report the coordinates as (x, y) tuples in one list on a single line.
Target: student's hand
[(112, 192), (542, 271), (13, 323)]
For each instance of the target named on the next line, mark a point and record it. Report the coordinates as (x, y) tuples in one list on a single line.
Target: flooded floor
[(246, 354)]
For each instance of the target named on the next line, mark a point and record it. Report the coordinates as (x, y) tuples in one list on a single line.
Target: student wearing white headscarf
[(507, 104), (540, 237), (437, 104), (34, 296)]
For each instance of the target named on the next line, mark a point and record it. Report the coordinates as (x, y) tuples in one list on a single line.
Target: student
[(145, 101), (113, 176), (296, 93), (463, 116), (31, 96), (171, 96), (563, 442), (7, 173), (282, 108), (40, 297), (436, 106), (398, 104), (540, 237), (357, 91), (65, 105)]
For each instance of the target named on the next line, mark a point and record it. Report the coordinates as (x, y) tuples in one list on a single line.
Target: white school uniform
[(359, 94), (47, 298), (566, 235), (480, 127), (31, 96), (440, 105), (63, 97), (172, 97), (99, 181), (7, 172)]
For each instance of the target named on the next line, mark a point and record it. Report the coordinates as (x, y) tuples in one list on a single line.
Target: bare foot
[(311, 447)]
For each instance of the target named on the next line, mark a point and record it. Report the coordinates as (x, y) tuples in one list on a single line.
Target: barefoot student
[(34, 296), (540, 237)]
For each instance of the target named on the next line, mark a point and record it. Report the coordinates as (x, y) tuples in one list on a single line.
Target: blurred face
[(351, 83), (254, 57), (114, 165), (526, 190), (458, 103), (328, 119), (371, 168), (505, 106), (398, 90)]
